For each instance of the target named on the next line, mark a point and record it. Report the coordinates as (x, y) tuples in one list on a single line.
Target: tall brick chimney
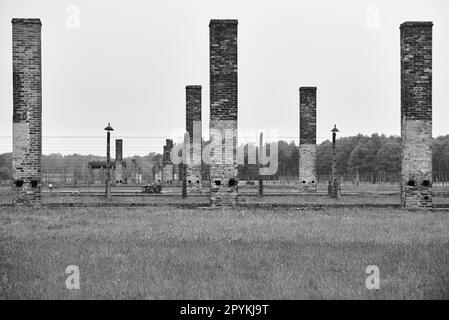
[(167, 165), (193, 118), (223, 110), (118, 161), (416, 114), (307, 139), (27, 111), (118, 150)]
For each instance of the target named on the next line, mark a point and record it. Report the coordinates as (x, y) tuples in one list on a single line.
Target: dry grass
[(167, 253)]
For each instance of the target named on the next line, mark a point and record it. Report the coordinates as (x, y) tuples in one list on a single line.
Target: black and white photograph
[(224, 155)]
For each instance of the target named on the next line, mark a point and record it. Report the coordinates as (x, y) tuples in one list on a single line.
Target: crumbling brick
[(416, 114), (193, 128), (118, 161), (167, 165), (27, 111), (223, 110), (307, 139)]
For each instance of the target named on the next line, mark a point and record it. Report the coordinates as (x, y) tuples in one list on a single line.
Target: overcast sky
[(128, 62)]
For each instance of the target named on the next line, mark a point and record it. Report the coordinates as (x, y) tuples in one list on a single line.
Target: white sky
[(129, 63)]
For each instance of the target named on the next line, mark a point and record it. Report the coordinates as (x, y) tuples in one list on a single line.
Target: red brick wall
[(27, 111), (193, 115), (416, 114), (223, 109), (307, 139)]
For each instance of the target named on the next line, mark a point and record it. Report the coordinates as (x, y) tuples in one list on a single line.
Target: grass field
[(169, 253)]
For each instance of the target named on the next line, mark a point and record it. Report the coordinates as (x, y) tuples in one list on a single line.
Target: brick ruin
[(307, 139), (223, 111), (99, 165), (118, 167), (416, 114), (167, 165), (193, 128), (27, 112), (416, 119), (119, 163), (136, 172), (176, 172), (262, 151), (134, 177)]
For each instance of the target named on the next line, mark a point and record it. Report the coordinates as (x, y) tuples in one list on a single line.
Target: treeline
[(361, 153), (365, 154)]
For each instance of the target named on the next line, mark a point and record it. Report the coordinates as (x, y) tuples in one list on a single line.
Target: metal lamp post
[(185, 159), (108, 159), (261, 154), (334, 186)]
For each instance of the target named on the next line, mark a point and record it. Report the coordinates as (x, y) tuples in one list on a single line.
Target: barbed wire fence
[(75, 152)]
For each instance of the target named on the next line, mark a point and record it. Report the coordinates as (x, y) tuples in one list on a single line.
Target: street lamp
[(108, 159), (334, 186), (183, 166)]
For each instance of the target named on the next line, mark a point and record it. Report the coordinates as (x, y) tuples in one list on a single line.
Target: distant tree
[(362, 157), (388, 158), (288, 158), (344, 148), (375, 153), (5, 166), (5, 160), (324, 157), (5, 174), (440, 152)]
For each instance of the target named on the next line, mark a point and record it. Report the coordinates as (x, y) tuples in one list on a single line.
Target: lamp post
[(261, 154), (185, 158), (108, 159), (334, 186)]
